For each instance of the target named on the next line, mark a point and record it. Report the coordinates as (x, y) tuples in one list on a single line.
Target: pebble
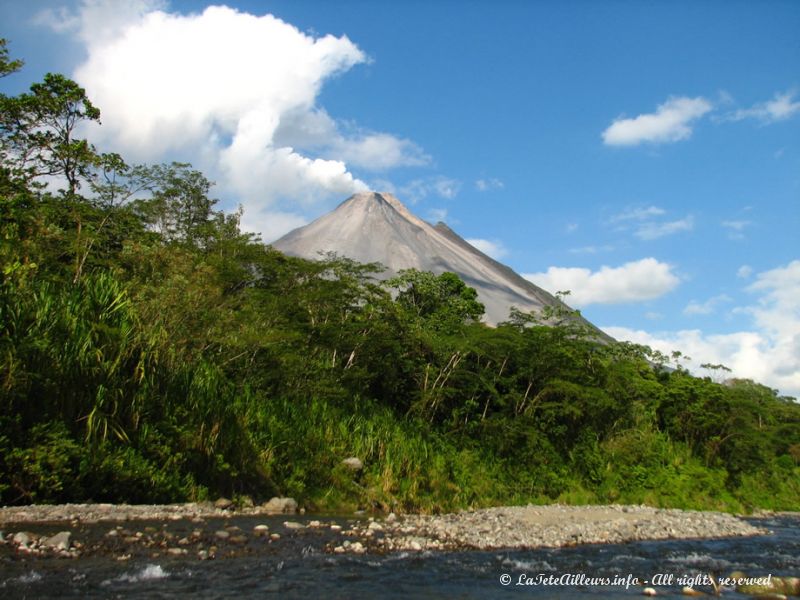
[(554, 526)]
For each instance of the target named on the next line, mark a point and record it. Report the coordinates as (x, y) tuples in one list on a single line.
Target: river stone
[(59, 541), (277, 505), (353, 463), (222, 534), (261, 529), (22, 538), (357, 548), (223, 504)]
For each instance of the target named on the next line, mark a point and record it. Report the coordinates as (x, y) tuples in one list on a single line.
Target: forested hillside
[(150, 351)]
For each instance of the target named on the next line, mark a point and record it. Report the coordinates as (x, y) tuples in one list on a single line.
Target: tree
[(7, 66), (180, 209), (440, 302), (37, 133)]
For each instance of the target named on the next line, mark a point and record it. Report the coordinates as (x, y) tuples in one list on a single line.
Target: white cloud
[(368, 150), (769, 354), (417, 189), (781, 107), (271, 224), (493, 248), (485, 185), (437, 214), (591, 249), (707, 307), (636, 281), (744, 271), (670, 123), (379, 151), (231, 92), (736, 225), (736, 229), (98, 21), (446, 187), (655, 230), (637, 214), (644, 223)]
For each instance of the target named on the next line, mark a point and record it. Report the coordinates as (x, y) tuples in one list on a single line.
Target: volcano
[(377, 227)]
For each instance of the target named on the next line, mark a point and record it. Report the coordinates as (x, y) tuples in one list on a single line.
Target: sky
[(644, 156)]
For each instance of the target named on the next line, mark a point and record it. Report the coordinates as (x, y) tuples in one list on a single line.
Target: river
[(297, 567)]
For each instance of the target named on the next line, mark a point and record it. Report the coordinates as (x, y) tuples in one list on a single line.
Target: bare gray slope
[(373, 227)]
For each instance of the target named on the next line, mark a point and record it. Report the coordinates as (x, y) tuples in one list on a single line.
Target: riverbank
[(96, 513), (518, 527), (209, 528)]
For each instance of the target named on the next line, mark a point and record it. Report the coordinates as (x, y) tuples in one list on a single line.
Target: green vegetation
[(150, 351)]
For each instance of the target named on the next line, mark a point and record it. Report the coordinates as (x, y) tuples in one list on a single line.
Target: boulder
[(59, 541), (223, 504), (287, 506), (23, 538), (353, 463)]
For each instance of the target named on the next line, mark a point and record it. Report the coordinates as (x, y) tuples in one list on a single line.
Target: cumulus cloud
[(744, 271), (636, 281), (272, 224), (233, 93), (358, 147), (492, 248), (98, 21), (781, 107), (670, 123), (769, 353)]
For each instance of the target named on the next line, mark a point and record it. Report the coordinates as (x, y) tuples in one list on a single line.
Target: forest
[(151, 351)]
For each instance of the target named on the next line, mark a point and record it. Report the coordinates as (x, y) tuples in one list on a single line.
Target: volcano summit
[(377, 227)]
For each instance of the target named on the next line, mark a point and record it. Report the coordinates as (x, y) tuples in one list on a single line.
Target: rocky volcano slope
[(377, 227)]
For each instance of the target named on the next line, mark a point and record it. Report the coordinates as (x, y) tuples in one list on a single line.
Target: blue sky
[(645, 155)]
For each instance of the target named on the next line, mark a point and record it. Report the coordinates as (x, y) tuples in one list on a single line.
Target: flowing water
[(296, 567)]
